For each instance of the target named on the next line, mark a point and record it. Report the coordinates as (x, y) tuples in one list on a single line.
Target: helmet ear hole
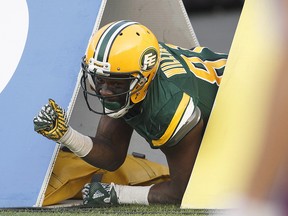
[(137, 33)]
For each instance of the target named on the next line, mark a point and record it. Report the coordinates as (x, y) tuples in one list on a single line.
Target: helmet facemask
[(118, 103)]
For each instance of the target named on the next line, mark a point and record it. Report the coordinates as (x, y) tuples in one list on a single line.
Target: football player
[(162, 91)]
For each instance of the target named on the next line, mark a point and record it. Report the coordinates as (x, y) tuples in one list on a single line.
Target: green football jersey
[(185, 79)]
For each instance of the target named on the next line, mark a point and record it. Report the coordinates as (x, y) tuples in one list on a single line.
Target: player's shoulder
[(197, 51), (207, 53)]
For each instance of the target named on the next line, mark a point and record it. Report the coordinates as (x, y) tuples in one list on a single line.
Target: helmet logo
[(148, 59)]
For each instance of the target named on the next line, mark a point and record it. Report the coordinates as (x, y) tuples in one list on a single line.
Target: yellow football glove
[(51, 121)]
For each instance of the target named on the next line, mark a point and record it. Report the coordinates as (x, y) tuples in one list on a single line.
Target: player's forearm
[(96, 151), (105, 156)]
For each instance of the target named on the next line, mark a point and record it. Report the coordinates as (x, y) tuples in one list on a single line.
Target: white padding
[(132, 194), (78, 143)]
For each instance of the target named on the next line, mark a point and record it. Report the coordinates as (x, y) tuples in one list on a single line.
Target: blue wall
[(57, 38)]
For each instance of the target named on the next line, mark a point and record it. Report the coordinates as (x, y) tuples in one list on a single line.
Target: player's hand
[(98, 194), (51, 121)]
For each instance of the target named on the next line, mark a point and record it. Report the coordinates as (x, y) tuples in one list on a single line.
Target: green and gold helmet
[(122, 50)]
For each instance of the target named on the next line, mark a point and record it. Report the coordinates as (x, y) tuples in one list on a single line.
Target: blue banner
[(58, 33)]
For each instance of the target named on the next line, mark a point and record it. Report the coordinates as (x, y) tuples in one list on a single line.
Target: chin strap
[(120, 113)]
